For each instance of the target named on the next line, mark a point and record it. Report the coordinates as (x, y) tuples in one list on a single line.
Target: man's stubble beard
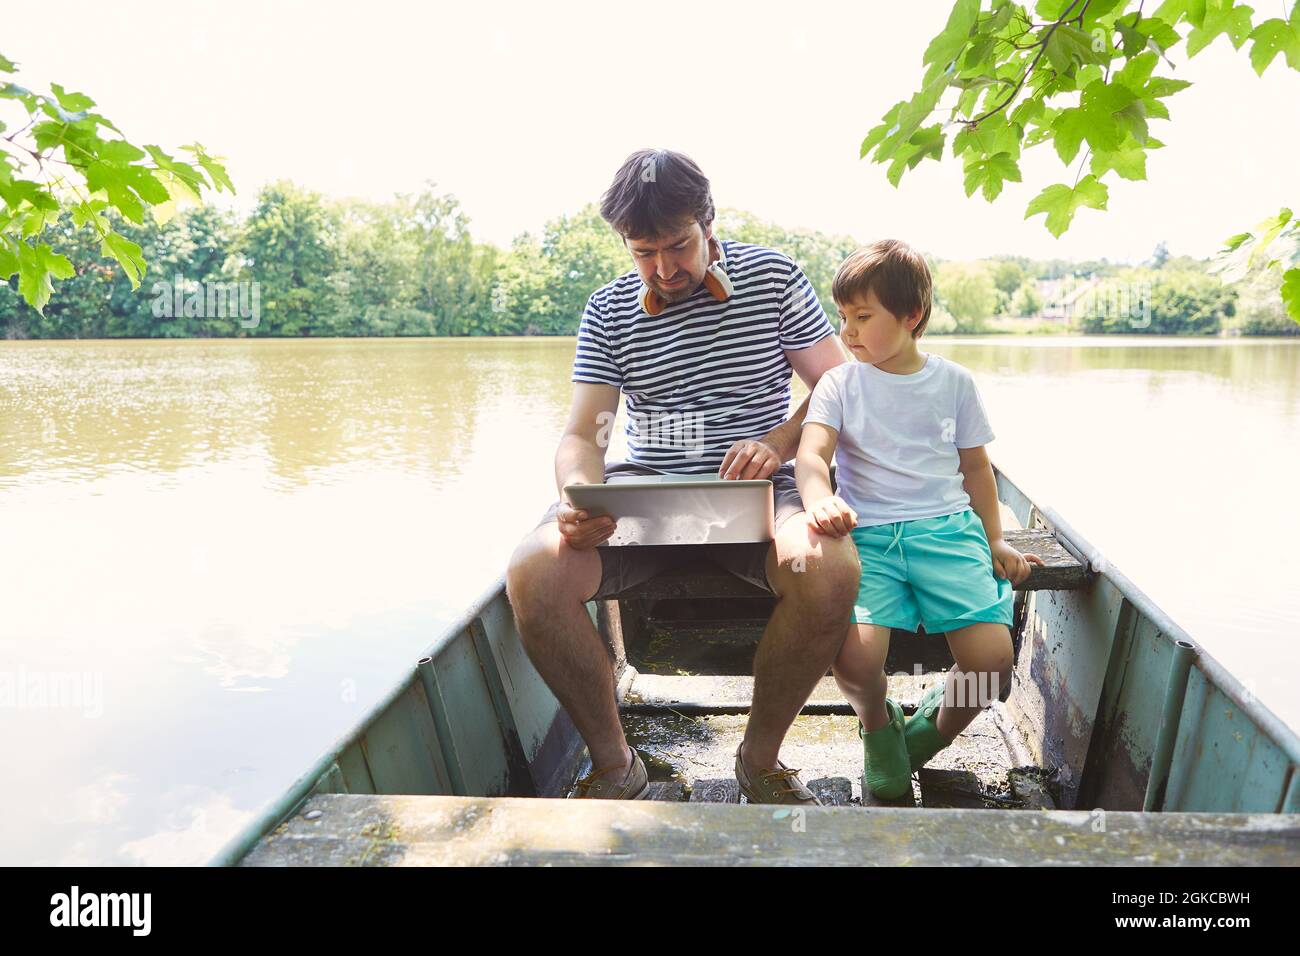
[(689, 289), (686, 292)]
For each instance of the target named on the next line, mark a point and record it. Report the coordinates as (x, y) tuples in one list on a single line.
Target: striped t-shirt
[(702, 374)]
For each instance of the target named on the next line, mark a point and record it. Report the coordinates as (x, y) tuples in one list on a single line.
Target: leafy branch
[(98, 170), (1074, 73)]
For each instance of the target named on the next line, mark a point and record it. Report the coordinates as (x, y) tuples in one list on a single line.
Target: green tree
[(195, 248), (454, 274), (521, 300), (548, 279), (98, 299), (967, 292), (289, 249), (374, 284), (818, 254), (1026, 301), (1008, 274), (1162, 302), (1082, 75)]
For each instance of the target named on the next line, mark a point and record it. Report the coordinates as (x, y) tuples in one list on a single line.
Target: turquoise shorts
[(936, 572)]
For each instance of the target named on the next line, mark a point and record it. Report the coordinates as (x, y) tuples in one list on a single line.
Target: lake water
[(218, 554)]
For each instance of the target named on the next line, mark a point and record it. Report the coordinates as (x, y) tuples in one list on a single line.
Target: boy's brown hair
[(654, 192), (896, 272)]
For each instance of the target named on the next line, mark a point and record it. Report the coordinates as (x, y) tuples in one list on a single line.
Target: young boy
[(917, 493)]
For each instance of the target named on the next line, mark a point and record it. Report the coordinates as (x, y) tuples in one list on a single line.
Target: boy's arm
[(812, 462), (812, 476), (982, 487)]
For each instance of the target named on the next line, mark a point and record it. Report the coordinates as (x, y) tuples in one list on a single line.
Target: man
[(708, 359)]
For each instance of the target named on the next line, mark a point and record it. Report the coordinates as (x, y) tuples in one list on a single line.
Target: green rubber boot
[(884, 757), (921, 733)]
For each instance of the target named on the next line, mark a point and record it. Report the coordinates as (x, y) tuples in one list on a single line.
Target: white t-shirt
[(896, 452)]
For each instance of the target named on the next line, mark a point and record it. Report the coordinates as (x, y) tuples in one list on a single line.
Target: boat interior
[(1118, 741)]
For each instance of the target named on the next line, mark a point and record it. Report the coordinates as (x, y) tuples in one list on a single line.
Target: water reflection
[(302, 407)]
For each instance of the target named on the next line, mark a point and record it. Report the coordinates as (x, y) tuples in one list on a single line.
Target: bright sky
[(525, 110)]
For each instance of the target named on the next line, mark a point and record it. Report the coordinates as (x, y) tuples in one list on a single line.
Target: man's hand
[(1010, 563), (580, 531), (832, 516), (749, 459)]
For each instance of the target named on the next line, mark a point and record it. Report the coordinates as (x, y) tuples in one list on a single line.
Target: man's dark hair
[(653, 192)]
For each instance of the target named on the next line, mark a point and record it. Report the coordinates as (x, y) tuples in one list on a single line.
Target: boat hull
[(1108, 693)]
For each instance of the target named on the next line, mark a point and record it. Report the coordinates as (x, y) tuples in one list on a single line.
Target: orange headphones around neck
[(716, 281)]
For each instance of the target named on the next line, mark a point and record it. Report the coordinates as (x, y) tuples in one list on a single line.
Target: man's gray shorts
[(626, 567)]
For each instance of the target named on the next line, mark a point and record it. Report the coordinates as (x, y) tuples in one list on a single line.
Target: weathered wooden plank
[(654, 693), (716, 790), (1061, 571), (702, 579), (698, 694), (695, 579), (413, 830)]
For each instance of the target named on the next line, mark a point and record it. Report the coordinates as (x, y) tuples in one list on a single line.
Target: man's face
[(673, 265)]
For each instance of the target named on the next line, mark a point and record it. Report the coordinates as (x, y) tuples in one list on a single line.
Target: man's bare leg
[(548, 583), (815, 577)]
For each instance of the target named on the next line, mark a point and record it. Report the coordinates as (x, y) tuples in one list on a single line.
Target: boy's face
[(871, 332), (673, 265)]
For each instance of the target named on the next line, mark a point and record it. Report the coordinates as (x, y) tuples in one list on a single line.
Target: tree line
[(411, 267)]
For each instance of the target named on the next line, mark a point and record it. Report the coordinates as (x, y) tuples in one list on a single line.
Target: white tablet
[(680, 509)]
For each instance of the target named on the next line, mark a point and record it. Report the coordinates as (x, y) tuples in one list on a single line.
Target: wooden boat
[(1119, 742)]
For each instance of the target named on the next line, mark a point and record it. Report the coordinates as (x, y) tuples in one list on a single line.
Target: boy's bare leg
[(859, 671), (548, 583), (983, 655), (815, 577)]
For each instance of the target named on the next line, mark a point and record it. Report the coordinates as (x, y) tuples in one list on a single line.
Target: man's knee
[(816, 567), (544, 572)]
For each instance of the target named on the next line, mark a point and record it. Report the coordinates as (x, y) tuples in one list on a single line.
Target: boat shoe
[(597, 786), (885, 764), (778, 785), (921, 732)]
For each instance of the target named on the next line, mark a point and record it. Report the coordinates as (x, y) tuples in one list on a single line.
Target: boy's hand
[(581, 531), (1010, 563), (832, 516)]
